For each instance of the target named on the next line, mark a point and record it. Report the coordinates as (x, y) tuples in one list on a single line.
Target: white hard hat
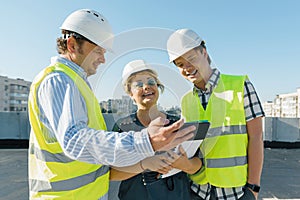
[(182, 41), (92, 25), (133, 67)]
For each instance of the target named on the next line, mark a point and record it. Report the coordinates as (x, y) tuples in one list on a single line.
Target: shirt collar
[(70, 64), (211, 83)]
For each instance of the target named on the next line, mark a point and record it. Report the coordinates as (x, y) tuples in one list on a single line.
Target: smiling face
[(91, 57), (194, 66), (144, 90), (85, 54)]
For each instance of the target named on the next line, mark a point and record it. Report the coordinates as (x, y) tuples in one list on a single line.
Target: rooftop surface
[(280, 177)]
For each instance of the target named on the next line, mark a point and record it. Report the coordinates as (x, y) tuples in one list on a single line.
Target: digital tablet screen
[(201, 128)]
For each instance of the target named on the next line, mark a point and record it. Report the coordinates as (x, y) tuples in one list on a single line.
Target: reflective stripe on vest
[(52, 174), (48, 156), (70, 184), (226, 162), (226, 130), (225, 146)]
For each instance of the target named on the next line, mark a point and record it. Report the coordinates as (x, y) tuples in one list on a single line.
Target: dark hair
[(201, 47), (61, 42)]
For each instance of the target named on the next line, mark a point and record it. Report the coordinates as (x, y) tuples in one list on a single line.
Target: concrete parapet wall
[(15, 126), (282, 129)]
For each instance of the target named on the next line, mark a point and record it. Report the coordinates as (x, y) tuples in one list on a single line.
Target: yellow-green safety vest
[(52, 174), (225, 146)]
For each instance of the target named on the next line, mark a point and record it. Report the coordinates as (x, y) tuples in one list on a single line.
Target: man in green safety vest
[(232, 152), (70, 149)]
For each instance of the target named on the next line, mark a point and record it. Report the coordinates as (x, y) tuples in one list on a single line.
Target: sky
[(259, 38)]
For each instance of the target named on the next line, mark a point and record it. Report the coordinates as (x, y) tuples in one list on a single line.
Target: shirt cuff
[(142, 143)]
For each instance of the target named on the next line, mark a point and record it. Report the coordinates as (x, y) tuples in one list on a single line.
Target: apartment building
[(13, 94), (268, 108), (284, 105), (124, 105)]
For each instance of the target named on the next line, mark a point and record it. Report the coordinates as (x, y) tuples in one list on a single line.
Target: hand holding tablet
[(191, 146), (201, 128)]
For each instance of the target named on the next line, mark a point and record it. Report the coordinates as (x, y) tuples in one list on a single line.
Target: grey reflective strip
[(49, 157), (226, 130), (226, 162), (67, 185)]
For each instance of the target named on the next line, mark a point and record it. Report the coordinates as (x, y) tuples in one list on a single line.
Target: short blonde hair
[(127, 85)]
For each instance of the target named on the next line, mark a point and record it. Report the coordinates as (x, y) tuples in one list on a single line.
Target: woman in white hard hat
[(141, 83), (233, 149), (70, 148)]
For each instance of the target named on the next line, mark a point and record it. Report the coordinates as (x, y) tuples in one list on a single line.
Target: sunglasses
[(140, 84), (77, 37)]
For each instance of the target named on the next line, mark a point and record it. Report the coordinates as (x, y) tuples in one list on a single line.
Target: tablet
[(201, 128), (192, 145)]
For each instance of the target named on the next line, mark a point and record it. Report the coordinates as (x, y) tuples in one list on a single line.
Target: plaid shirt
[(252, 108)]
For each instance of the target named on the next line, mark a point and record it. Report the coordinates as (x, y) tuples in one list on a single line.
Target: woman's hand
[(182, 162), (180, 159), (160, 163)]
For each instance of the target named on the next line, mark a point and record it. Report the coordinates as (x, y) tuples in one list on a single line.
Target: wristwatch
[(253, 187)]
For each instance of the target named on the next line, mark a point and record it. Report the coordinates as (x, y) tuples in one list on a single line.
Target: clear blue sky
[(260, 38)]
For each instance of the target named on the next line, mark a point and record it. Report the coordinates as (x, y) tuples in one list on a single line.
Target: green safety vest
[(52, 174), (225, 147)]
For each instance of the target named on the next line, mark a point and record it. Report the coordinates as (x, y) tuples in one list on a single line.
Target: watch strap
[(253, 187)]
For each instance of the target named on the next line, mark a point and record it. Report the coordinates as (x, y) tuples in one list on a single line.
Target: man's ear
[(71, 43)]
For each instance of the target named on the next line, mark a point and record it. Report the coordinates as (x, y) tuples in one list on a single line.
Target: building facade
[(125, 105), (284, 105), (13, 94)]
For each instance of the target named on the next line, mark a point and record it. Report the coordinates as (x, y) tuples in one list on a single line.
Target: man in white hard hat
[(233, 149), (70, 149)]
